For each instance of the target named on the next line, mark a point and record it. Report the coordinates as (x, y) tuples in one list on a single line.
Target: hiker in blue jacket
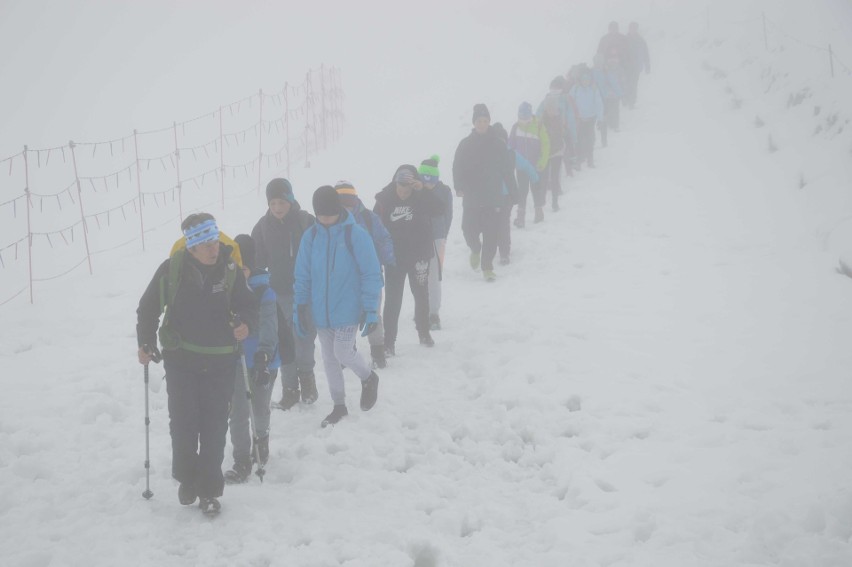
[(384, 248), (338, 280), (590, 110), (608, 80)]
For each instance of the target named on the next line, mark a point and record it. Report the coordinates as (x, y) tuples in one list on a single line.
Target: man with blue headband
[(205, 303)]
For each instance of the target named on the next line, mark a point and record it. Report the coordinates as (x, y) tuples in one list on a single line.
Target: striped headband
[(201, 233)]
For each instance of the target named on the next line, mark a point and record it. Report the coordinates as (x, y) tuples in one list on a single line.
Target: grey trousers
[(239, 418), (338, 348), (304, 363)]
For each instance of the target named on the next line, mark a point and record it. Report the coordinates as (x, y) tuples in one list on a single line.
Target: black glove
[(261, 371), (156, 355)]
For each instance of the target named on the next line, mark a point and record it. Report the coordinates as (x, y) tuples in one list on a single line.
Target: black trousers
[(586, 141), (525, 187), (418, 280), (485, 222), (551, 181), (199, 402), (504, 234)]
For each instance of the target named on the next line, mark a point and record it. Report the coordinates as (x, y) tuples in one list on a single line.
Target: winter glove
[(149, 354), (261, 370), (369, 322), (300, 316)]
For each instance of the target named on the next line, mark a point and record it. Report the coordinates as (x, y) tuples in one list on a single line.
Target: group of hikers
[(237, 312)]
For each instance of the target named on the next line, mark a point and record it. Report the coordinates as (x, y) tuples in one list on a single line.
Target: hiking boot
[(338, 413), (289, 398), (434, 322), (210, 506), (308, 382), (539, 214), (238, 474), (390, 350), (186, 493), (489, 275), (504, 260), (369, 392), (377, 353), (426, 338), (262, 450), (474, 260)]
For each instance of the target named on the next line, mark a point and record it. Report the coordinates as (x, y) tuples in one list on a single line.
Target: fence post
[(177, 173), (221, 158), (29, 225), (831, 59), (765, 39), (287, 127), (260, 141), (72, 145), (139, 187)]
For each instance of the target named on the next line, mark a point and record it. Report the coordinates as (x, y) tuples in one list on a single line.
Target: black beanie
[(246, 244), (326, 201), (279, 188), (480, 110)]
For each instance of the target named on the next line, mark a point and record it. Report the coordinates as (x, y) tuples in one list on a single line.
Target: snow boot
[(426, 338), (369, 392), (210, 506), (539, 215), (308, 382), (238, 474), (434, 322), (489, 275), (377, 353), (474, 260), (289, 398), (390, 350), (338, 413), (186, 493), (262, 450)]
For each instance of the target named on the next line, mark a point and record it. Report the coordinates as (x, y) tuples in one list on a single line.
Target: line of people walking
[(237, 313)]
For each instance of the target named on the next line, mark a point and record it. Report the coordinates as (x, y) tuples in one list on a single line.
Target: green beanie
[(429, 167)]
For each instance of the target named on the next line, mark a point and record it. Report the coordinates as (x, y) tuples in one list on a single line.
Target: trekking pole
[(260, 471), (147, 495)]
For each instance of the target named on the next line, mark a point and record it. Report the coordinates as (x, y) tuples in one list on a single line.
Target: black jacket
[(478, 169), (409, 222), (200, 312), (277, 245)]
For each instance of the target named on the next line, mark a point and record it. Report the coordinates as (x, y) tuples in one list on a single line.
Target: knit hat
[(525, 111), (279, 188), (247, 249), (326, 201), (347, 195), (205, 231), (500, 131), (480, 110), (428, 169), (405, 176)]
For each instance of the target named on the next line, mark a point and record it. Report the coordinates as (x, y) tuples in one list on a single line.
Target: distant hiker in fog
[(531, 144), (477, 177), (430, 175), (510, 197), (638, 60), (554, 114), (590, 109), (614, 44), (608, 81)]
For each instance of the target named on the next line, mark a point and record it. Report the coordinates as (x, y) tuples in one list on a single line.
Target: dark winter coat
[(639, 59), (614, 44), (409, 222), (441, 223), (277, 244), (201, 311), (477, 170)]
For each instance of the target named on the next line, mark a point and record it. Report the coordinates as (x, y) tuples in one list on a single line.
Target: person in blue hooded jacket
[(338, 280), (262, 362)]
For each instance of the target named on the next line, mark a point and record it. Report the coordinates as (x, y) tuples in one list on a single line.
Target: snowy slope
[(659, 378)]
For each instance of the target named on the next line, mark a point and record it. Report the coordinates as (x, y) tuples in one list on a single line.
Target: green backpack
[(169, 338)]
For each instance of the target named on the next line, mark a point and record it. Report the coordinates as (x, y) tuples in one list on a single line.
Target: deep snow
[(660, 377)]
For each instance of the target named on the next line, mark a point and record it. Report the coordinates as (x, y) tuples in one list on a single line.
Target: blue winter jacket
[(266, 338), (523, 164), (339, 284), (381, 237), (589, 102)]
